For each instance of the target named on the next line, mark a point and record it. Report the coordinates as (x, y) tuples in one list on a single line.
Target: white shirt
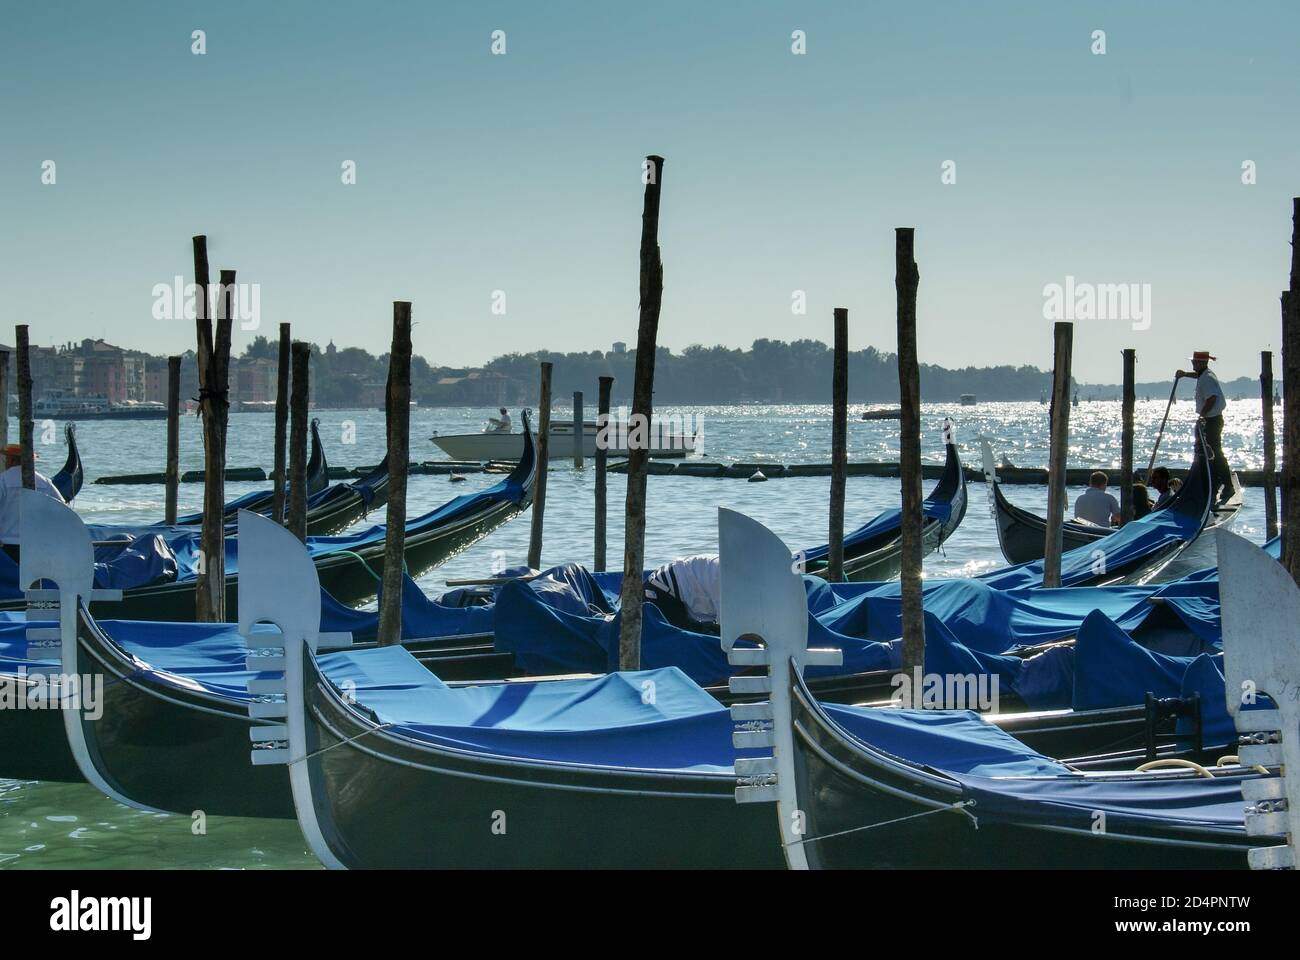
[(1207, 386), (11, 481), (500, 424), (695, 581), (1096, 506)]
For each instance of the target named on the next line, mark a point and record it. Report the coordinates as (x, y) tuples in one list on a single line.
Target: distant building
[(620, 346)]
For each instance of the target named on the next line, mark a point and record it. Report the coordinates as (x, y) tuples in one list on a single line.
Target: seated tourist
[(1095, 505), (1142, 504), (688, 592)]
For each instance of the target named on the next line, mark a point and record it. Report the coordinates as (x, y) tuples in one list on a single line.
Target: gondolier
[(11, 481), (1210, 404)]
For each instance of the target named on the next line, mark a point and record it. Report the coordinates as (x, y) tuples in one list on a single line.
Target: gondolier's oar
[(1161, 432)]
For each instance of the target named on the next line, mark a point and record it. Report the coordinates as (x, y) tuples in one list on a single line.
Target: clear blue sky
[(521, 172)]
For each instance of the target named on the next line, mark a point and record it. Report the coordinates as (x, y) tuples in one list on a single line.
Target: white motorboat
[(666, 441)]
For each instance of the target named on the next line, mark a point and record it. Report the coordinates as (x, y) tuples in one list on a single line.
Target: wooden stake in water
[(1126, 437), (907, 279), (213, 357), (602, 419), (652, 291), (1063, 343), (281, 425), (25, 405), (1291, 406), (1270, 447), (4, 398), (839, 441), (578, 437), (398, 410), (295, 519), (173, 474), (543, 452)]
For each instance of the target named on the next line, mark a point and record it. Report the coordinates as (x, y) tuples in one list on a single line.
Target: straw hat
[(1202, 355)]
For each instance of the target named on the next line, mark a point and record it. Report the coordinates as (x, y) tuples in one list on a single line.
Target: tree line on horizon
[(773, 371)]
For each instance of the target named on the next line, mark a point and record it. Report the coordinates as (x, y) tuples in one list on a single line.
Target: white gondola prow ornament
[(1261, 657), (763, 599), (279, 585), (56, 547)]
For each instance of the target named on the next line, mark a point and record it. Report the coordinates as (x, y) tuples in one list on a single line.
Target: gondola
[(70, 477), (168, 731), (350, 567), (330, 509), (968, 796), (1022, 534), (874, 551)]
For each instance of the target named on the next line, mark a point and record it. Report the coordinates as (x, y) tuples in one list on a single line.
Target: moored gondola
[(71, 475), (874, 550), (977, 798), (350, 567)]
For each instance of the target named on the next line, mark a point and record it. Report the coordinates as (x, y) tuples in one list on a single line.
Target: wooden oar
[(1161, 432)]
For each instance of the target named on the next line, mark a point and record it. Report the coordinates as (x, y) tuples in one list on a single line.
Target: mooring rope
[(958, 807), (340, 743)]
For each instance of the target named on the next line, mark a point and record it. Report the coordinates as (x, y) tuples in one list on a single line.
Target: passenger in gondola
[(1142, 504), (688, 592), (1210, 404), (1159, 481), (499, 424), (1096, 505), (11, 481)]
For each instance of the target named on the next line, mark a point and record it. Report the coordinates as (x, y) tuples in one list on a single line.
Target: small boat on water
[(350, 567), (1022, 535), (64, 405), (992, 803), (666, 442), (883, 413), (968, 400), (70, 477)]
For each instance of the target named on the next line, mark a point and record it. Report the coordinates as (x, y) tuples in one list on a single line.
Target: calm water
[(71, 825)]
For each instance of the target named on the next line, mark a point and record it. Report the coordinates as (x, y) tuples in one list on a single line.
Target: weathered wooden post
[(1270, 451), (173, 475), (281, 425), (579, 438), (213, 357), (25, 405), (1291, 406), (398, 410), (1126, 437), (543, 452), (1062, 350), (907, 279), (839, 441), (4, 398), (602, 429), (638, 436), (295, 519)]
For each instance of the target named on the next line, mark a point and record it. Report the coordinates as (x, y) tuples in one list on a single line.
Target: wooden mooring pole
[(213, 357), (907, 279), (839, 443), (281, 425), (602, 421), (537, 520), (173, 474), (295, 518), (1270, 447), (1126, 437), (579, 438), (4, 398), (1291, 406), (652, 290), (397, 406), (25, 405), (1062, 349)]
